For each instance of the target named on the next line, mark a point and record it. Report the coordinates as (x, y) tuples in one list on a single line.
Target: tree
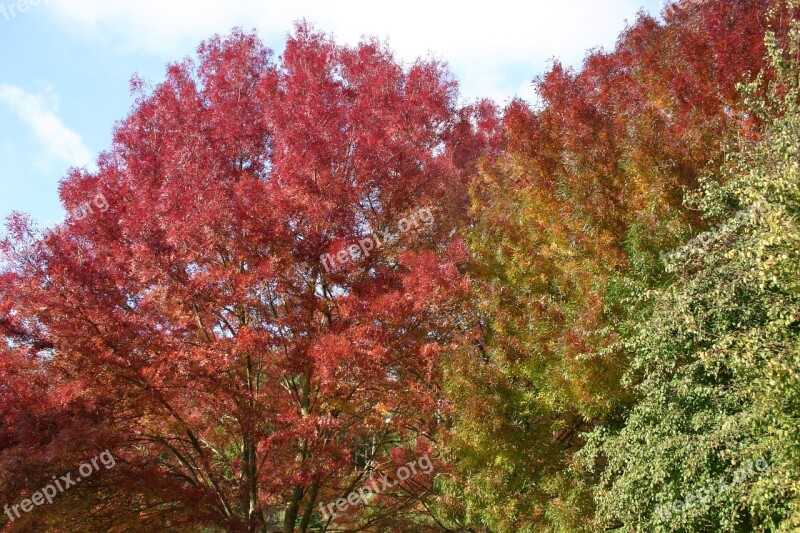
[(241, 377), (589, 186), (712, 441)]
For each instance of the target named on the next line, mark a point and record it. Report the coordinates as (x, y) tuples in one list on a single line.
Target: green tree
[(716, 365)]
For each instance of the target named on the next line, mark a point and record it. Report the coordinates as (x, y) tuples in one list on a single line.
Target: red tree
[(188, 319)]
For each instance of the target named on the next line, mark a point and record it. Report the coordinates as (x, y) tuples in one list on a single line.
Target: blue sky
[(65, 65)]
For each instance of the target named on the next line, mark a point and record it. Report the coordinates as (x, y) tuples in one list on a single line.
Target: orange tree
[(568, 221)]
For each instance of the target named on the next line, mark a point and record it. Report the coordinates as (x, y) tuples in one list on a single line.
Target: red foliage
[(235, 374), (635, 126)]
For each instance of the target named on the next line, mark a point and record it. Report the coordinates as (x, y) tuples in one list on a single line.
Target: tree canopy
[(323, 293)]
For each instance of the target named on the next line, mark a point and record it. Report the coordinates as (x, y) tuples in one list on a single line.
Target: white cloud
[(493, 46), (40, 113)]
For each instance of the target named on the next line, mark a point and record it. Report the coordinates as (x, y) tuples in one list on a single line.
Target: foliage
[(241, 380), (569, 220), (717, 365), (597, 318)]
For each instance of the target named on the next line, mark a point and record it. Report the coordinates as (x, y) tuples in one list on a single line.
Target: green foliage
[(716, 364)]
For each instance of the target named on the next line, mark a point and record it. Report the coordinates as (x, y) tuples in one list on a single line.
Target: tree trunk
[(290, 518), (309, 510)]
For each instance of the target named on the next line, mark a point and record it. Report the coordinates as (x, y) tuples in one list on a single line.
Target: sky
[(65, 65)]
